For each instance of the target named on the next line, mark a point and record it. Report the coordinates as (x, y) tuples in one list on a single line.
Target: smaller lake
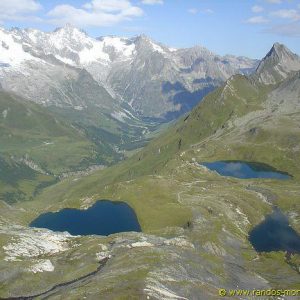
[(245, 170), (103, 218), (275, 234)]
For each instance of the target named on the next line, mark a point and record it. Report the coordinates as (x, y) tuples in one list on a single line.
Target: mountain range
[(195, 223), (152, 79)]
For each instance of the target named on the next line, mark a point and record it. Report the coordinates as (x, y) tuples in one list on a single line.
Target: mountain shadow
[(186, 99)]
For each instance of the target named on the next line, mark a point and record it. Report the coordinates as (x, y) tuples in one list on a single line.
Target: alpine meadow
[(137, 164)]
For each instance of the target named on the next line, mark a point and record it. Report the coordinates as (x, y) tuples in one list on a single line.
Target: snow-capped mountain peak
[(11, 51), (146, 74)]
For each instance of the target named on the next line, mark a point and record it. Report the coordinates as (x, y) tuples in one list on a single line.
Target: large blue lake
[(103, 218), (245, 170), (275, 234)]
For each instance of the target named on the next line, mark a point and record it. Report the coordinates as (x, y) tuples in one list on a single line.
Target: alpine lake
[(103, 218), (274, 233)]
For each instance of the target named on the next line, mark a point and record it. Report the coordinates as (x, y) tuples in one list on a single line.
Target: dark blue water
[(103, 218), (244, 170), (275, 234)]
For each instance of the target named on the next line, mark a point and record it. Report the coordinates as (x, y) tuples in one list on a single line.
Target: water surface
[(245, 170), (103, 218), (275, 234)]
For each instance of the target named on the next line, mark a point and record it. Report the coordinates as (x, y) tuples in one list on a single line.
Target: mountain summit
[(277, 64), (153, 79)]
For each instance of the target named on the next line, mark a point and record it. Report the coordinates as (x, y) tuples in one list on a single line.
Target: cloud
[(107, 5), (193, 11), (257, 20), (257, 9), (96, 13), (291, 14), (274, 1), (290, 30), (18, 10), (208, 11), (152, 2)]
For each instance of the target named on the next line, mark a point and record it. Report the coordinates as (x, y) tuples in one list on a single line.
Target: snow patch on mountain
[(11, 51), (157, 48), (149, 76)]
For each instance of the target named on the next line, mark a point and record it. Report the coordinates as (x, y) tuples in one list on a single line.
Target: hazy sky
[(240, 27)]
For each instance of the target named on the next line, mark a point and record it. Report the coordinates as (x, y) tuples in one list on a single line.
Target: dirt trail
[(102, 263)]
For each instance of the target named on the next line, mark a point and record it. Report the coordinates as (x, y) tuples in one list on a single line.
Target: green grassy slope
[(35, 145), (200, 219), (108, 132), (58, 140), (174, 197), (230, 123), (28, 130), (18, 182)]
